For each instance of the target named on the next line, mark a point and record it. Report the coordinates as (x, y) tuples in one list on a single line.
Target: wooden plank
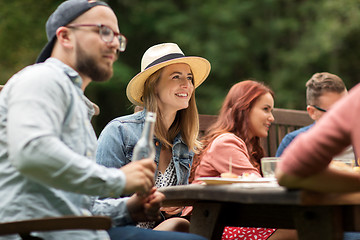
[(314, 215), (186, 195), (265, 144), (55, 223), (239, 193), (272, 141), (351, 218), (291, 117), (205, 220), (205, 121), (327, 219), (257, 215), (211, 217), (316, 198)]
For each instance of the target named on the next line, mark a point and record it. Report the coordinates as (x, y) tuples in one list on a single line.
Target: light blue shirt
[(47, 152), (289, 138)]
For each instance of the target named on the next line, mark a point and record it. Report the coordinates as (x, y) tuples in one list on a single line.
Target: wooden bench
[(286, 120), (25, 227)]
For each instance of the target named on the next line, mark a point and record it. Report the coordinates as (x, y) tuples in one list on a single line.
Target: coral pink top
[(312, 151), (216, 159)]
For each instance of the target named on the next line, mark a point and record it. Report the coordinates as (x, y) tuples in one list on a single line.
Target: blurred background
[(278, 42)]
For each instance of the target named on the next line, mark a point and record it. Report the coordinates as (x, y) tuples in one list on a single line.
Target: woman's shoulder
[(228, 137), (225, 141), (132, 122), (138, 117)]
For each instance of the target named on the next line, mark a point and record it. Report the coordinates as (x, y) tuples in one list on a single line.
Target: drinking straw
[(230, 164)]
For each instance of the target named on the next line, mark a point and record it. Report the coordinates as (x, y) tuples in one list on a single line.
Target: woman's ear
[(156, 89)]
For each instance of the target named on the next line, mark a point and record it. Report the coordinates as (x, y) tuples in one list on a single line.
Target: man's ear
[(311, 112), (64, 37)]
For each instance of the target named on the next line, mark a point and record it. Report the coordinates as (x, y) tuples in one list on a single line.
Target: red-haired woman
[(244, 118)]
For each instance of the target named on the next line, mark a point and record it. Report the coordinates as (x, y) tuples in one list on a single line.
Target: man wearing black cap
[(47, 143)]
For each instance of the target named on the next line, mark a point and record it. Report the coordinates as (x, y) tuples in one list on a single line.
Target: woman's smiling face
[(175, 88), (261, 117)]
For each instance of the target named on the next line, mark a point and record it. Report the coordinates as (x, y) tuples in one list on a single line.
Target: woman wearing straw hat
[(166, 86)]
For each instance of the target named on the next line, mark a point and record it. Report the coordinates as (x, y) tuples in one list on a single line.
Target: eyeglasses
[(319, 108), (106, 34)]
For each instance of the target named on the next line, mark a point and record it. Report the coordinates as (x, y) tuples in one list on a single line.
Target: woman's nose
[(186, 83), (271, 117)]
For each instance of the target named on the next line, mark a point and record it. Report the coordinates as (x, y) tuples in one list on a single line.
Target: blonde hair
[(186, 121)]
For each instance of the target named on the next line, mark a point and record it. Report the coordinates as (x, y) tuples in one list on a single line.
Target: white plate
[(218, 180)]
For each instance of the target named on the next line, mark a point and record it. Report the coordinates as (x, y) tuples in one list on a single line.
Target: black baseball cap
[(63, 15)]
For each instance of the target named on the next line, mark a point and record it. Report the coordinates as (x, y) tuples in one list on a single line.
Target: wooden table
[(314, 215)]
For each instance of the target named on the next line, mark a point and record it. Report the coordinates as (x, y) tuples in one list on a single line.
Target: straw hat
[(159, 56)]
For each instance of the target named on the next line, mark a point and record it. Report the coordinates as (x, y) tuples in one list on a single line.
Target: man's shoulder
[(38, 78), (294, 134), (300, 130), (40, 71), (290, 136)]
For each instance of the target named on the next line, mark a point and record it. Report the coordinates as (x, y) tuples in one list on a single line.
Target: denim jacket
[(118, 138)]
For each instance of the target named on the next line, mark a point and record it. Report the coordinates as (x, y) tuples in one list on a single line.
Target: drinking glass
[(268, 166)]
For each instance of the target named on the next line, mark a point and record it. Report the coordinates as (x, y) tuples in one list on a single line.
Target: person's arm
[(145, 208), (328, 180), (37, 108), (130, 210), (116, 209), (227, 147)]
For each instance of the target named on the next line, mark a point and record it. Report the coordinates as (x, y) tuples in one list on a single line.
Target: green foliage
[(22, 35), (279, 42)]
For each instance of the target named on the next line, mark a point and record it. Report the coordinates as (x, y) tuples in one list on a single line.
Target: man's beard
[(89, 67)]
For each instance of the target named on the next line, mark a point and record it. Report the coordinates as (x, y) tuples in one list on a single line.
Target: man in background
[(322, 91)]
